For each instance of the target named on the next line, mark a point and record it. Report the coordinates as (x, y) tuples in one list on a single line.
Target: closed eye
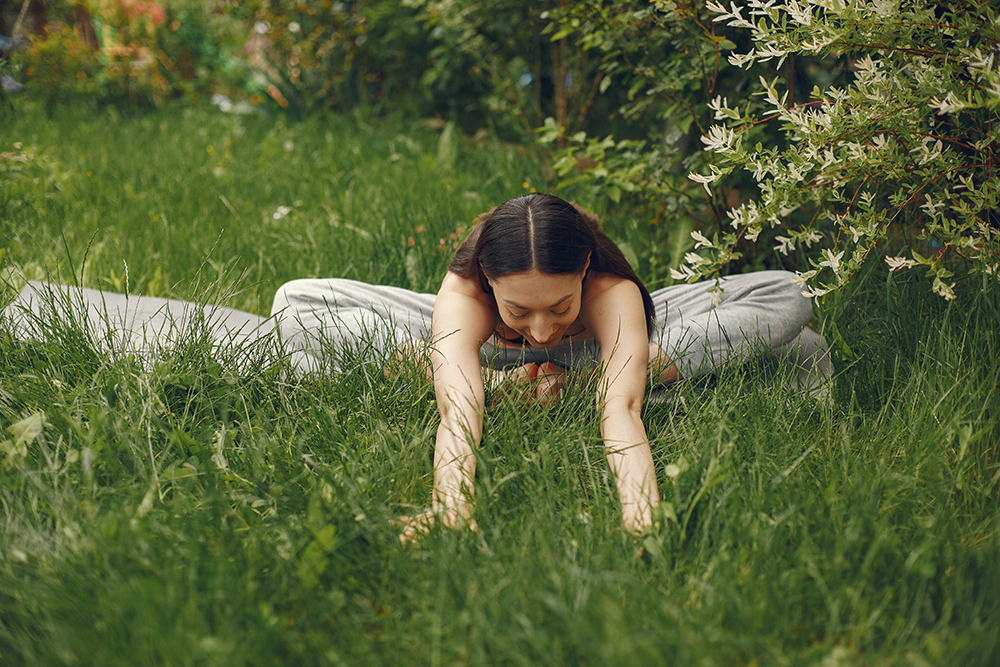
[(521, 317)]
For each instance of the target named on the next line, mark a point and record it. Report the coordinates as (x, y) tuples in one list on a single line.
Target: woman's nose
[(543, 332)]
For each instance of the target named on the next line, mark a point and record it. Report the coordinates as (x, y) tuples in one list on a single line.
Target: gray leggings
[(700, 331)]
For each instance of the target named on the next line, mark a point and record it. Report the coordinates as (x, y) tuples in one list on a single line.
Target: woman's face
[(539, 306)]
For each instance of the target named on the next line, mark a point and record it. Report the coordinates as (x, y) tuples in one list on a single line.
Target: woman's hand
[(418, 525), (533, 383)]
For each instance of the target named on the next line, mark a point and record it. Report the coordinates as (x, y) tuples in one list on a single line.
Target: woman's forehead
[(532, 289)]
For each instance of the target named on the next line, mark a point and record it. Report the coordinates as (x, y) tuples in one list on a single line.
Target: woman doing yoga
[(534, 291)]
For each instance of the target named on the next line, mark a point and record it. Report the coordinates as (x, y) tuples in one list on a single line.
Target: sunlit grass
[(195, 510)]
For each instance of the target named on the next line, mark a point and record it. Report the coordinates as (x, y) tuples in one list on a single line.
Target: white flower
[(865, 64), (262, 27), (737, 19), (741, 59), (801, 15), (897, 263), (294, 27), (800, 278), (281, 212), (810, 237), (289, 146), (929, 153), (811, 292), (785, 244), (685, 273), (693, 258), (977, 61), (943, 289), (949, 104), (224, 103), (700, 240), (930, 206), (704, 180), (719, 139), (832, 260), (720, 105)]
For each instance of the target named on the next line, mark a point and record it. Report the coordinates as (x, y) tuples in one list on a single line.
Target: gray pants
[(131, 324), (699, 330)]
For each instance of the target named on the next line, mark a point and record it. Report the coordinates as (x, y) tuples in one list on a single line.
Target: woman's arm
[(616, 318), (462, 321)]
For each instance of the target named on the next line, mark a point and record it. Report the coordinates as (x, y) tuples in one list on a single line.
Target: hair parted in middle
[(543, 233)]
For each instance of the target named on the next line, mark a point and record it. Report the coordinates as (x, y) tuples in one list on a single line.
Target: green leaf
[(314, 561), (562, 34), (29, 428)]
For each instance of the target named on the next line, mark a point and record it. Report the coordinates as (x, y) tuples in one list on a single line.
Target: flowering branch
[(914, 126)]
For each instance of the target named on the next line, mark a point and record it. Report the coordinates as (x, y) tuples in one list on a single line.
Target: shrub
[(496, 64), (335, 55), (660, 64), (904, 153), (130, 53), (60, 67)]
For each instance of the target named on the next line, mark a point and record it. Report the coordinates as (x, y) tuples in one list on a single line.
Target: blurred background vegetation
[(615, 94)]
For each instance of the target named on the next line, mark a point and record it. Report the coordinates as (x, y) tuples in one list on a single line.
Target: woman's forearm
[(454, 467), (631, 461)]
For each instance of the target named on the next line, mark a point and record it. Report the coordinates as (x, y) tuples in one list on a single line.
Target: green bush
[(335, 55), (901, 162), (61, 68), (490, 64), (138, 54), (659, 66)]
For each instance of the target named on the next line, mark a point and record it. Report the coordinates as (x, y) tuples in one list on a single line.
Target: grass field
[(197, 511)]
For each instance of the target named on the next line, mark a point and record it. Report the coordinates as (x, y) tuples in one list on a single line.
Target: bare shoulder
[(601, 287), (615, 315), (454, 284), (462, 304)]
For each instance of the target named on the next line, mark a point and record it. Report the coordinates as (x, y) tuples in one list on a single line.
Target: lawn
[(194, 510)]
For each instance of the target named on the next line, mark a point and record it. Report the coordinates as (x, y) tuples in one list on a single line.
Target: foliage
[(199, 49), (906, 152), (486, 65), (335, 55), (492, 64), (129, 53), (661, 62)]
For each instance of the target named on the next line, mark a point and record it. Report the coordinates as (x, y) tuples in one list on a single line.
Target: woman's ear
[(586, 265)]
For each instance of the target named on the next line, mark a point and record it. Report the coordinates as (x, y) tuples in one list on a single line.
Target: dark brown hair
[(543, 233)]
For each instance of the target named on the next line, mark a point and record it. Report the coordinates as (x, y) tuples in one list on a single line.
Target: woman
[(537, 289)]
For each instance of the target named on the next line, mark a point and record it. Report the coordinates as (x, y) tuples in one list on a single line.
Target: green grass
[(196, 510)]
